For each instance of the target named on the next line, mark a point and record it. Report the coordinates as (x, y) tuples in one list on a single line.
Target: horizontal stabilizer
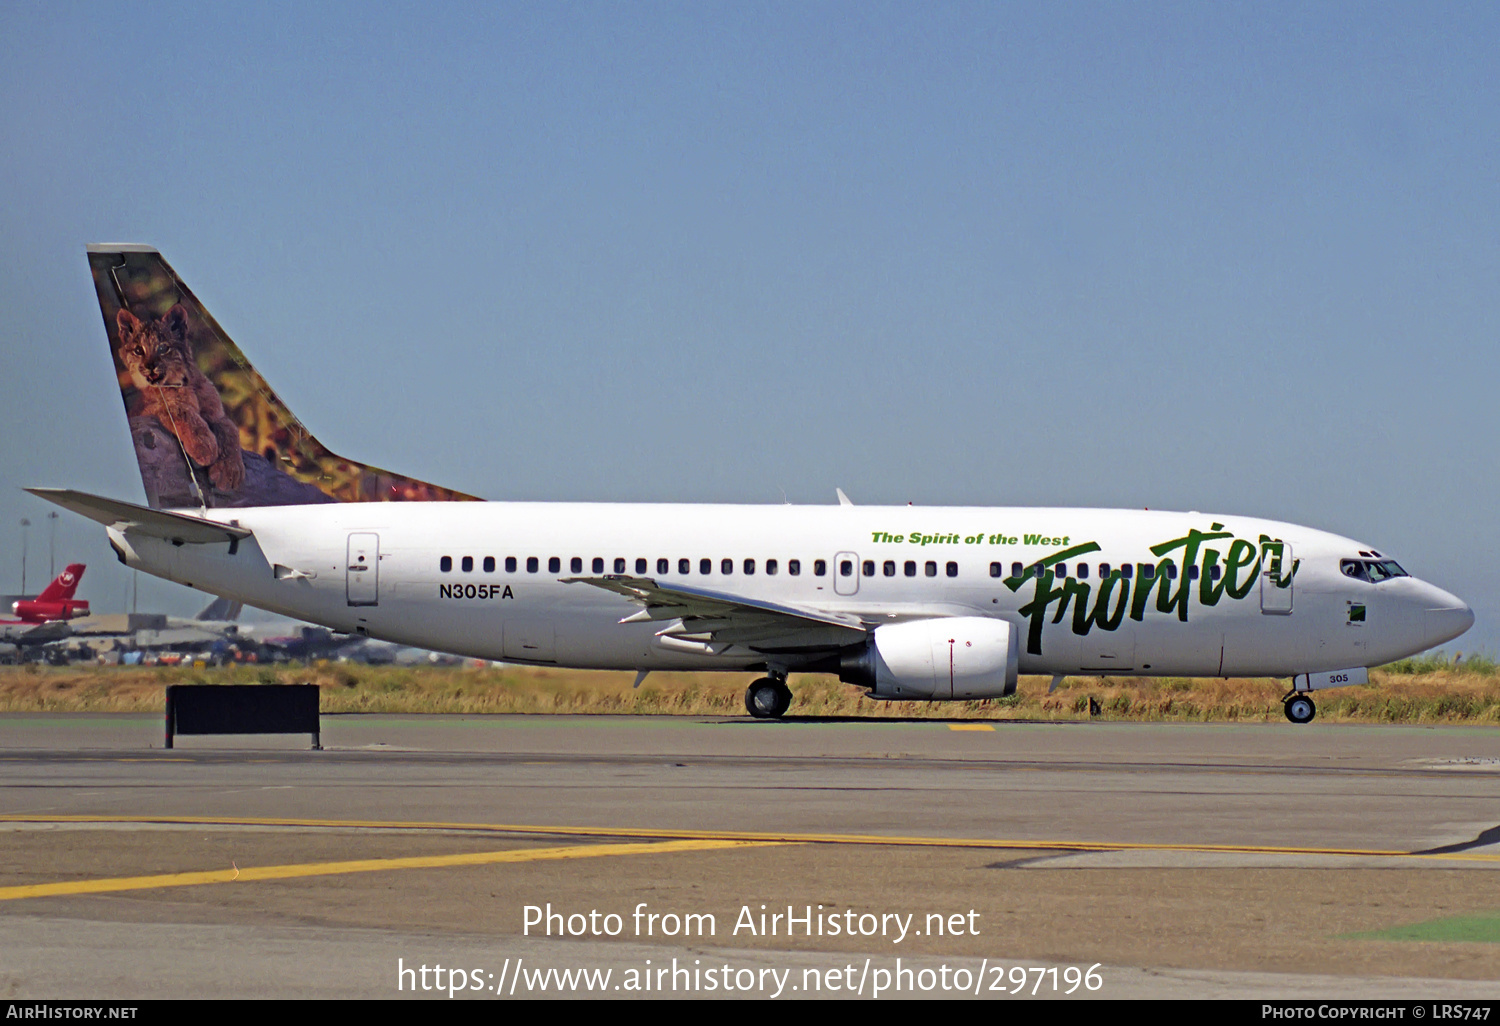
[(156, 523)]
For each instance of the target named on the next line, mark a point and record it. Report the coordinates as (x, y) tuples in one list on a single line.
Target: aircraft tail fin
[(63, 585), (221, 609), (208, 430)]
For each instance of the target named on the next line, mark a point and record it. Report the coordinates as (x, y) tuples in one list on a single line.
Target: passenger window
[(1083, 571), (510, 564), (662, 566), (705, 566), (1103, 571), (771, 567), (489, 564), (1126, 570), (1193, 572), (468, 564), (1060, 571), (1148, 570), (1170, 569), (820, 568), (1016, 569), (684, 566), (1039, 570), (620, 564), (889, 569), (846, 568), (996, 569), (910, 568), (598, 565), (869, 568), (554, 564), (930, 569), (952, 569), (446, 564), (793, 566), (531, 564), (1216, 572), (575, 565), (749, 567), (726, 566)]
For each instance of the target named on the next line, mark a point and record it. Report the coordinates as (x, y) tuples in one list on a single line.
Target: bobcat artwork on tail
[(173, 390), (208, 431)]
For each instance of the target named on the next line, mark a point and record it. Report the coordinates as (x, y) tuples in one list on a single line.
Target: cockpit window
[(1372, 570)]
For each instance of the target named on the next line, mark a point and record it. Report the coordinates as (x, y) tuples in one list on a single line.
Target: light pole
[(52, 545), (24, 525)]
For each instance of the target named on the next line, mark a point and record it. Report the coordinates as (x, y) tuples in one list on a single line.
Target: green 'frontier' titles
[(1231, 571)]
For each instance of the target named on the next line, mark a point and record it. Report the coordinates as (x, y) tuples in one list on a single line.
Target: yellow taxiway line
[(288, 872), (763, 837)]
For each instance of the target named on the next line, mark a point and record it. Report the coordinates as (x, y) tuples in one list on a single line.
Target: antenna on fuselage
[(843, 499)]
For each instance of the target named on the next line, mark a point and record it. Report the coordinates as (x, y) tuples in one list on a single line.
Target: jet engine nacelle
[(941, 658)]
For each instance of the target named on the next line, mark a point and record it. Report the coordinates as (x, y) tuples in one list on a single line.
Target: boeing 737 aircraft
[(909, 602)]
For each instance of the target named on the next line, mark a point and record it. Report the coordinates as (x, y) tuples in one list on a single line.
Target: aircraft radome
[(910, 602)]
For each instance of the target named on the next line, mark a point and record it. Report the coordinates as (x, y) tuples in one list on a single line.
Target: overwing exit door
[(362, 570), (846, 573)]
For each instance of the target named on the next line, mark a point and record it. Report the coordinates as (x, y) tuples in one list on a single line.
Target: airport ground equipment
[(242, 709)]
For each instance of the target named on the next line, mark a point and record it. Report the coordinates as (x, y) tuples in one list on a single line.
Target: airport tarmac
[(1264, 861)]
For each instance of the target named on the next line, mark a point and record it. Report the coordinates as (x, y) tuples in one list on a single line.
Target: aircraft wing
[(697, 613), (157, 523)]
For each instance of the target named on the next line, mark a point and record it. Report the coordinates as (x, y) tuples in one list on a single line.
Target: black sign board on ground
[(242, 709)]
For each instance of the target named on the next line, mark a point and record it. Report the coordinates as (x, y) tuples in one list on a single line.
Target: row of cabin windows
[(820, 567), (1081, 570), (685, 566), (888, 568), (642, 565)]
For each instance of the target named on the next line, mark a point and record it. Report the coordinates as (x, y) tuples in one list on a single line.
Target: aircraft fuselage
[(1119, 591)]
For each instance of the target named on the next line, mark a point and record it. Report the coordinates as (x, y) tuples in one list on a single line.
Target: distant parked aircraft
[(44, 618)]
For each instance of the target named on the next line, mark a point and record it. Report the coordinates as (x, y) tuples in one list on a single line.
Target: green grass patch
[(1446, 696), (1476, 929)]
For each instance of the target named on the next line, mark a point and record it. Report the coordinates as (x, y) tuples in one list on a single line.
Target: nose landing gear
[(768, 698), (1299, 708)]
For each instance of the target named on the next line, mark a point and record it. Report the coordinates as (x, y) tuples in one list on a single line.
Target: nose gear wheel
[(1299, 708)]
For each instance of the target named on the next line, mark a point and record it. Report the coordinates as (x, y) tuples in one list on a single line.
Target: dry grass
[(1436, 693)]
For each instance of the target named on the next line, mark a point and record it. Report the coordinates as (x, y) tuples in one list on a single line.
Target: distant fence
[(242, 709)]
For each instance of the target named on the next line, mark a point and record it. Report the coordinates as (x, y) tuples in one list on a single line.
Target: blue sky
[(1237, 258)]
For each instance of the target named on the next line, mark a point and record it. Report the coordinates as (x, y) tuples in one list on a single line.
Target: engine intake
[(941, 658)]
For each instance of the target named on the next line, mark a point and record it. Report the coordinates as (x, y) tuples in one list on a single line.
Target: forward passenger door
[(1276, 579)]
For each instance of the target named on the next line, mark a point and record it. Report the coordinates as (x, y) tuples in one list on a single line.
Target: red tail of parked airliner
[(56, 602)]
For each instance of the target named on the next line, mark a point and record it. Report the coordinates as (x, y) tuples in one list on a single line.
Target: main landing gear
[(1299, 708), (768, 698)]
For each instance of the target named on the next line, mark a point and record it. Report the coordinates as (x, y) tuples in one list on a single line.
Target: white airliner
[(924, 603)]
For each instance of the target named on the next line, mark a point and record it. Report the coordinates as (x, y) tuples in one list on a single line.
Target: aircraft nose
[(1446, 618)]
